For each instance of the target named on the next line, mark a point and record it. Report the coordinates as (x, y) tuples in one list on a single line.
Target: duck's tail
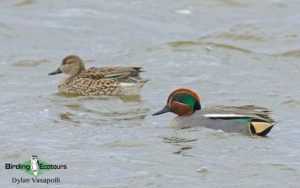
[(130, 88)]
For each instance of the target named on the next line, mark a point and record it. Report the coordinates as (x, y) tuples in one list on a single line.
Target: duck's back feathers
[(111, 72), (232, 112), (92, 73), (123, 74)]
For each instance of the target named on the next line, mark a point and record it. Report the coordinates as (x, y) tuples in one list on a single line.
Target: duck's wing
[(247, 111), (121, 72), (91, 73), (111, 72), (258, 118)]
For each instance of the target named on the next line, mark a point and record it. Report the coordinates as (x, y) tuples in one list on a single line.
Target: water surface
[(230, 52)]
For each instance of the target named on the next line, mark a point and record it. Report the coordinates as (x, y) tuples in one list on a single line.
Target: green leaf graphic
[(30, 172)]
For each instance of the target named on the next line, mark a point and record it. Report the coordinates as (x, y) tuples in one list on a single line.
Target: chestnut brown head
[(182, 102)]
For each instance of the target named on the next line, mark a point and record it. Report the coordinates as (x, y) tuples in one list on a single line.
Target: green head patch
[(188, 99)]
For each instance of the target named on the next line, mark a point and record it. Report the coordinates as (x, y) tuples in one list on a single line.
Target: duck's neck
[(80, 71), (74, 74), (66, 81)]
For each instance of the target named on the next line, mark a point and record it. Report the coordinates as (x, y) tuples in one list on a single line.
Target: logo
[(35, 167), (34, 164)]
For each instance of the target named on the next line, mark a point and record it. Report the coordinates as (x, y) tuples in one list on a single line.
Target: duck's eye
[(67, 62)]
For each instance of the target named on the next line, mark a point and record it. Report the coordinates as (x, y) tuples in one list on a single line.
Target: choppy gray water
[(230, 52)]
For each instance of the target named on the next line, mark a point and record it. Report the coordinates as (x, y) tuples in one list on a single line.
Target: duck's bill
[(55, 72), (164, 110)]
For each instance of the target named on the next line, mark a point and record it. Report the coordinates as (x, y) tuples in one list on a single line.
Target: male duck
[(98, 81), (248, 119)]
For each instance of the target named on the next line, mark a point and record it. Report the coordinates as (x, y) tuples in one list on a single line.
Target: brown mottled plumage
[(98, 81)]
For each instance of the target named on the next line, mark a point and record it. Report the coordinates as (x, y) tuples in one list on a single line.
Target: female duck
[(98, 81), (248, 119)]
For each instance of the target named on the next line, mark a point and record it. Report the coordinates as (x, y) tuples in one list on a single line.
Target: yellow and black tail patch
[(260, 128)]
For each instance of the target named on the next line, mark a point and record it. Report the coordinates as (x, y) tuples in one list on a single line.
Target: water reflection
[(30, 63), (100, 110), (176, 140), (182, 149), (124, 98), (180, 143)]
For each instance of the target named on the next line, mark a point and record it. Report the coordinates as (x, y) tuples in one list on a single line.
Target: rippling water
[(230, 52)]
